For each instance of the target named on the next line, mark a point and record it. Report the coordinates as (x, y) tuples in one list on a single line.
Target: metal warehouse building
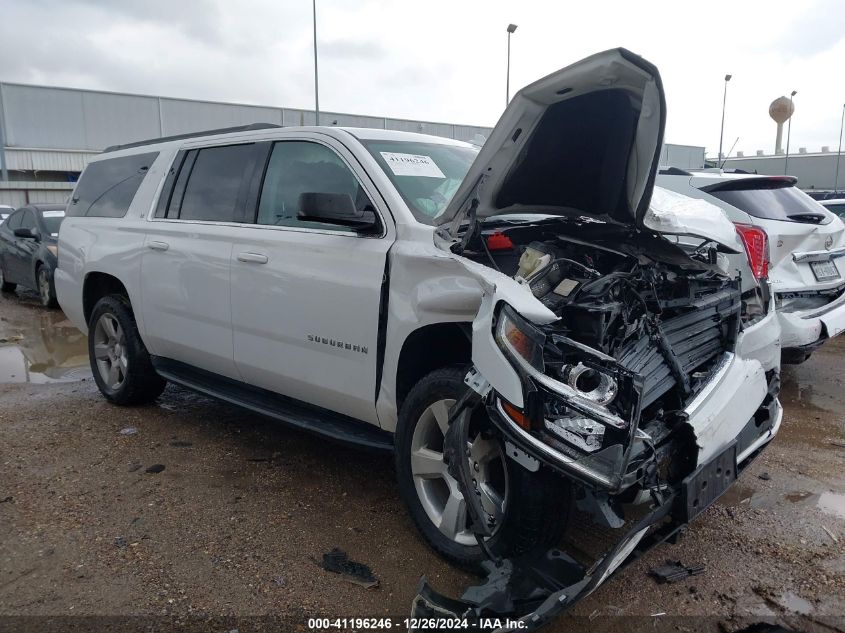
[(815, 171), (48, 134)]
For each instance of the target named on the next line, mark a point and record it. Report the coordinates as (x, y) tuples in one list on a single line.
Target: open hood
[(584, 140)]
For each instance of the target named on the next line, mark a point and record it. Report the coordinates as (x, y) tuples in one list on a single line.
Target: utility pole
[(839, 153), (789, 131), (724, 101), (511, 29), (316, 75)]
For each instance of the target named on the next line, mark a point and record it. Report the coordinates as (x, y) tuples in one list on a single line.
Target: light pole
[(789, 131), (316, 75), (724, 100), (511, 29), (839, 153)]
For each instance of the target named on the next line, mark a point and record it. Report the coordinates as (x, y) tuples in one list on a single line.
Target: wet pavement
[(40, 346), (234, 521)]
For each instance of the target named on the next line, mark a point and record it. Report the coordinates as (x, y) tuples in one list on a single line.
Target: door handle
[(158, 246), (253, 258)]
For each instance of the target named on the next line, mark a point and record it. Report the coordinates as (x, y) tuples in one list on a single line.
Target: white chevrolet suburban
[(513, 322)]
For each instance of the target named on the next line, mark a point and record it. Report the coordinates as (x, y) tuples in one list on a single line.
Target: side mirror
[(335, 208), (28, 233)]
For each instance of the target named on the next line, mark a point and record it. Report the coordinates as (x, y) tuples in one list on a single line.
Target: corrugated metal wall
[(18, 194), (39, 117), (682, 156), (813, 171)]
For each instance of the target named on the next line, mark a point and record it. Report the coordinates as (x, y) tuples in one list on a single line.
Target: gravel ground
[(233, 524)]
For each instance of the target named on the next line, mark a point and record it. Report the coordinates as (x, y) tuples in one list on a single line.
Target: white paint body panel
[(185, 295), (672, 213)]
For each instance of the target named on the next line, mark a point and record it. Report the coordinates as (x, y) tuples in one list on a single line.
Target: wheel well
[(429, 348), (97, 286)]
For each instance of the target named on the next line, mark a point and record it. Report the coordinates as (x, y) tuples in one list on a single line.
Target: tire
[(5, 286), (119, 360), (46, 289), (536, 505), (794, 356)]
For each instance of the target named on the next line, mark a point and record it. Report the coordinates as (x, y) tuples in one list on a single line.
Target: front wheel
[(119, 360), (533, 506)]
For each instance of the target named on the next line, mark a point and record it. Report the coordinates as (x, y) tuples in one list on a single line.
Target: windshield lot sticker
[(412, 165)]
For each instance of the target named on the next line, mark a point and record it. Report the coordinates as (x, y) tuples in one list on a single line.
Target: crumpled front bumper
[(522, 594)]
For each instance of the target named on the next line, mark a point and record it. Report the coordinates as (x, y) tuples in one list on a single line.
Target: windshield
[(425, 174), (772, 200), (52, 220)]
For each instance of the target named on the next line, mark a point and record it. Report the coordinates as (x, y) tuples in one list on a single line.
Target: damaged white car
[(514, 324), (793, 241)]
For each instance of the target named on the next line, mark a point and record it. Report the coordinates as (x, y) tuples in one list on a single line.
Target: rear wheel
[(533, 506), (5, 286), (46, 291), (119, 360)]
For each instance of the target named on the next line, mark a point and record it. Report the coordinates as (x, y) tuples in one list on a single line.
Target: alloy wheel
[(438, 491), (110, 351)]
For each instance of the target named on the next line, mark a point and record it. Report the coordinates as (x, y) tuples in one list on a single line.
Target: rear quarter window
[(838, 209), (107, 187)]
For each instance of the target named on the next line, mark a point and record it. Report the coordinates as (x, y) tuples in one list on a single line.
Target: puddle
[(816, 383), (795, 603), (831, 503), (42, 347)]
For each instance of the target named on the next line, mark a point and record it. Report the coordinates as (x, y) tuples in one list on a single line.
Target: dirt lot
[(234, 523)]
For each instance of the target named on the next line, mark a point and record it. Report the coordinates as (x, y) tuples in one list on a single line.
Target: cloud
[(352, 50), (441, 61)]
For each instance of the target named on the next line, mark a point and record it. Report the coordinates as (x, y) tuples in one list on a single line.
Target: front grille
[(682, 345)]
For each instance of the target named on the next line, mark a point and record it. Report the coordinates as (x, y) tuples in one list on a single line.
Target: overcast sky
[(443, 60)]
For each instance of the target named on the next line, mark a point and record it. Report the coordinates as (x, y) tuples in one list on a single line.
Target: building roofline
[(232, 103)]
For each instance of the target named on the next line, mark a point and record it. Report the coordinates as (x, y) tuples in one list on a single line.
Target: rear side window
[(214, 181), (773, 200), (107, 187)]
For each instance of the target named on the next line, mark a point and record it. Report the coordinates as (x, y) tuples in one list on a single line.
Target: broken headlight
[(521, 341), (580, 431), (579, 403), (590, 383)]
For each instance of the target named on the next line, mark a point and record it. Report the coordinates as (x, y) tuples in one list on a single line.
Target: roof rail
[(176, 137)]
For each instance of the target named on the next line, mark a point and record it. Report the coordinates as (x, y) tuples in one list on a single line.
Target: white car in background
[(791, 239), (5, 211)]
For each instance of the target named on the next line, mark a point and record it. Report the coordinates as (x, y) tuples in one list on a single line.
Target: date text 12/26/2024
[(413, 624)]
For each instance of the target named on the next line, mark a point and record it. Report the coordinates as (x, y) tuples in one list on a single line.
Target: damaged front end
[(603, 353), (626, 413), (602, 392)]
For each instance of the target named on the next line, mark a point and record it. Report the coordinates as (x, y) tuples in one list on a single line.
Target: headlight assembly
[(580, 431), (590, 383), (586, 390), (520, 340)]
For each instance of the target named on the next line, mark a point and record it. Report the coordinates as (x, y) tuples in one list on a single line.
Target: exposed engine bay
[(642, 325)]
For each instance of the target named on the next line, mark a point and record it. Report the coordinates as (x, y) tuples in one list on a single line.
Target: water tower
[(780, 110)]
